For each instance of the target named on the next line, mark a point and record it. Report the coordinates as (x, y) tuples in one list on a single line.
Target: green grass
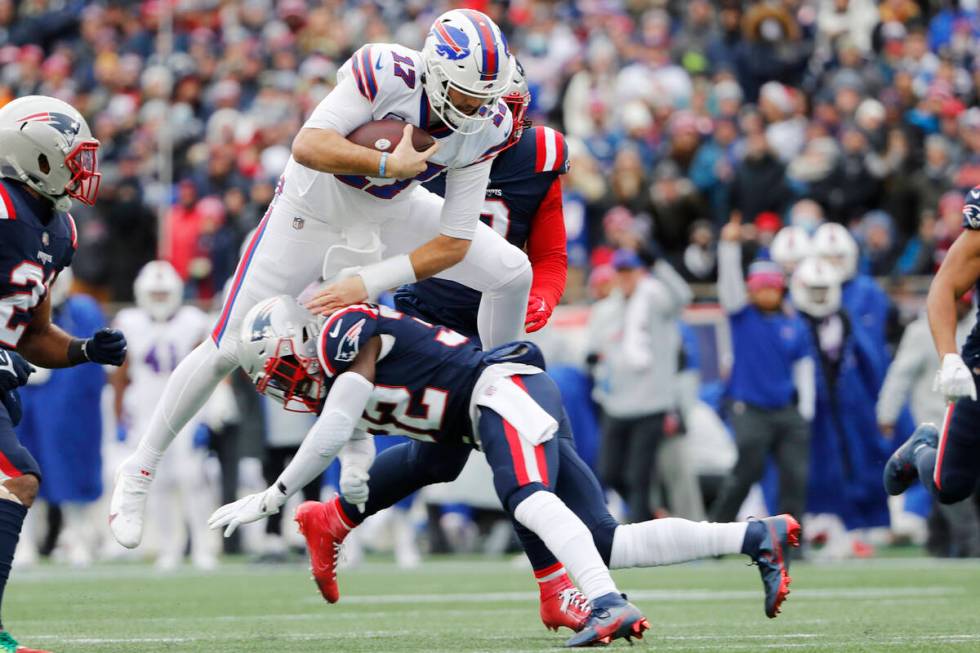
[(455, 605)]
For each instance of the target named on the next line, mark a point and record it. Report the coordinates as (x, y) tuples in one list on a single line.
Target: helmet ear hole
[(42, 163)]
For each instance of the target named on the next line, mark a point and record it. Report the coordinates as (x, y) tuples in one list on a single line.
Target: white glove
[(954, 379), (244, 511), (354, 485)]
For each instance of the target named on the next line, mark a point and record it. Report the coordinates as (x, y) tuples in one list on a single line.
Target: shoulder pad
[(343, 335), (550, 151), (383, 68), (7, 209), (971, 210)]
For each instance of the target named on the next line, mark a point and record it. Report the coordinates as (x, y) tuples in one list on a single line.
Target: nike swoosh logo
[(113, 516), (378, 65), (336, 330)]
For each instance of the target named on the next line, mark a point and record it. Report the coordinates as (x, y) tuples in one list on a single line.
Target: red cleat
[(562, 604), (324, 526)]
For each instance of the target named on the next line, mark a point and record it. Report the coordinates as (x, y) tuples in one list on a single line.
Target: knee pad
[(514, 273)]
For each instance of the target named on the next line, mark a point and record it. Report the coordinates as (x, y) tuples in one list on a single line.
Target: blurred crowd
[(678, 115)]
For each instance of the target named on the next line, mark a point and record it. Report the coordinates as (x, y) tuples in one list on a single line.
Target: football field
[(454, 605)]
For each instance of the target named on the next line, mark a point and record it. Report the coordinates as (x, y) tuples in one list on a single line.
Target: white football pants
[(285, 254)]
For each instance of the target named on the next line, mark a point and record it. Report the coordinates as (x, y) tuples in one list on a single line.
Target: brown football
[(384, 135)]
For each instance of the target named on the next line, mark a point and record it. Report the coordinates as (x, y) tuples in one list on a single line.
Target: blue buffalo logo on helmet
[(64, 123), (453, 43), (971, 209)]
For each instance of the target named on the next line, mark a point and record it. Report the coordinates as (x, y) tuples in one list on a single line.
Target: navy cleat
[(612, 617), (766, 544), (900, 470)]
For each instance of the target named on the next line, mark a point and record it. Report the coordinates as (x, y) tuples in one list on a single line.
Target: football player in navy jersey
[(946, 459), (524, 205), (47, 158), (373, 370)]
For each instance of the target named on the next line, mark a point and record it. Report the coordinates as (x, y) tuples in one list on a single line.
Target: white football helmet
[(835, 243), (790, 246), (816, 288), (277, 349), (61, 288), (159, 290), (467, 52), (46, 144)]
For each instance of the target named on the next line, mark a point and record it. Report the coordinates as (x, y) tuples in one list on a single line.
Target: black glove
[(14, 370), (106, 346), (11, 401)]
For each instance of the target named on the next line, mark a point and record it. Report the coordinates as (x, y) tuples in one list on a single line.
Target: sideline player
[(160, 331), (47, 158), (339, 205), (381, 371), (947, 462)]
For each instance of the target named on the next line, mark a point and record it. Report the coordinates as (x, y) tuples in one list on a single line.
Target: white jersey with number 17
[(383, 81)]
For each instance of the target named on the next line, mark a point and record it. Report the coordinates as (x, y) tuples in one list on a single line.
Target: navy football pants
[(519, 470), (15, 459), (951, 472)]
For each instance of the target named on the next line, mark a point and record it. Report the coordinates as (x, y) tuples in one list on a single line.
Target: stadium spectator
[(634, 335), (771, 383)]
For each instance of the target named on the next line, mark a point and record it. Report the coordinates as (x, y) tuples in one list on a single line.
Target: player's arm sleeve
[(359, 451), (466, 189), (347, 399), (910, 358), (547, 247), (805, 380), (732, 294)]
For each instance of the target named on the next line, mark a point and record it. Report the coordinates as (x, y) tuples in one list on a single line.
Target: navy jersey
[(36, 242), (423, 380), (519, 180)]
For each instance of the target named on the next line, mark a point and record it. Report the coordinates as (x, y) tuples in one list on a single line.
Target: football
[(384, 135)]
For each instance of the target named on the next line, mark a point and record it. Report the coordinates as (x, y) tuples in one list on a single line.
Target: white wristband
[(389, 273)]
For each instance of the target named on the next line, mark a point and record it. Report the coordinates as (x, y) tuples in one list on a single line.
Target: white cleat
[(128, 504)]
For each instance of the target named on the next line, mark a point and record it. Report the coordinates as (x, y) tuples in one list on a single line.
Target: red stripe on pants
[(938, 470)]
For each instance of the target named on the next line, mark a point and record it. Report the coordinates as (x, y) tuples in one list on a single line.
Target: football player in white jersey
[(349, 214), (162, 331)]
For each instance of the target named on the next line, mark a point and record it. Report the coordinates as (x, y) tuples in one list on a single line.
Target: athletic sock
[(549, 574), (569, 539), (672, 540), (11, 519), (145, 460)]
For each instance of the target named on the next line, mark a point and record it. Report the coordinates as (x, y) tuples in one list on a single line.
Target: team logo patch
[(971, 215), (451, 42), (350, 343), (298, 223), (64, 123)]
